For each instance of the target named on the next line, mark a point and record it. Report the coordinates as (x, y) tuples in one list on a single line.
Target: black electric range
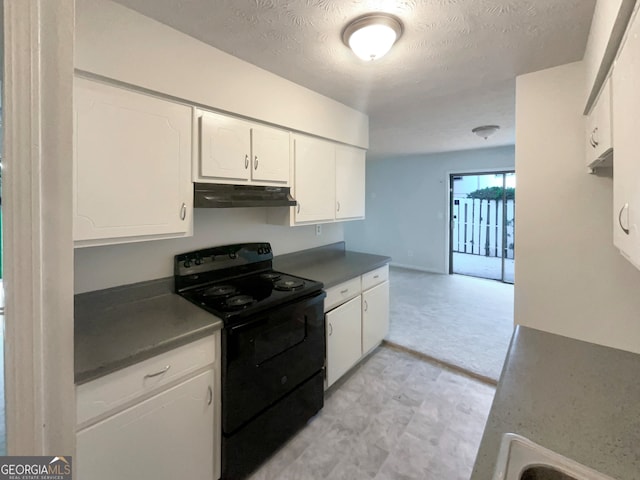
[(273, 347)]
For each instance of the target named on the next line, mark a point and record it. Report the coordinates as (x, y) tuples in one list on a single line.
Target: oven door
[(268, 356)]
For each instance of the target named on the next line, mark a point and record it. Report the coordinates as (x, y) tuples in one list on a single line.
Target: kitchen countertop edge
[(576, 398), (121, 326), (330, 264)]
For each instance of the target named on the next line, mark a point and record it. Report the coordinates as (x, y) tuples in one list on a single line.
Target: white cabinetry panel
[(626, 172), (235, 151), (350, 183), (225, 148), (165, 437), (132, 162), (598, 134), (270, 155), (375, 316), (314, 180), (344, 341)]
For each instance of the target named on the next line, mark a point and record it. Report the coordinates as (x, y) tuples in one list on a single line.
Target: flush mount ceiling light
[(372, 36), (485, 131)]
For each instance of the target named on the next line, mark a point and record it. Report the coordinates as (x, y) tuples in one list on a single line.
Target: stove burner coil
[(270, 276), (220, 291), (239, 301), (288, 285)]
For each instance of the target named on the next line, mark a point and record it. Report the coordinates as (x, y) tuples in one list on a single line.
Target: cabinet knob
[(255, 162), (625, 230), (183, 211), (246, 162)]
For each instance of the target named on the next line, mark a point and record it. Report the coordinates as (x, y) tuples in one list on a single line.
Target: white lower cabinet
[(375, 316), (165, 437), (158, 419), (357, 320), (344, 330)]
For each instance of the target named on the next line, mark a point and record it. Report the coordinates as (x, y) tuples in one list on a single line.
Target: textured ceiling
[(453, 69)]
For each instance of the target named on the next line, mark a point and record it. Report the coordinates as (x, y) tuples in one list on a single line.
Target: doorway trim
[(38, 242), (449, 195)]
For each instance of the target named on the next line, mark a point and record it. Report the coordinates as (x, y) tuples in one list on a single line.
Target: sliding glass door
[(482, 221)]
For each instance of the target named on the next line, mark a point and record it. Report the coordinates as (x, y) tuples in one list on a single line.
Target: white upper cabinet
[(270, 155), (626, 172), (225, 148), (235, 151), (350, 182), (314, 163), (328, 183), (132, 166), (598, 132)]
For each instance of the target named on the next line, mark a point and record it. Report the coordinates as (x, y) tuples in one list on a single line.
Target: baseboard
[(413, 267)]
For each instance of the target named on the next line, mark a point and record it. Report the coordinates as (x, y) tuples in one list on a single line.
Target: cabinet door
[(168, 436), (375, 316), (314, 180), (132, 172), (598, 135), (270, 152), (350, 182), (626, 173), (225, 149), (344, 345)]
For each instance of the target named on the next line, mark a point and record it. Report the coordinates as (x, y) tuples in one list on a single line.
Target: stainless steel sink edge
[(530, 454)]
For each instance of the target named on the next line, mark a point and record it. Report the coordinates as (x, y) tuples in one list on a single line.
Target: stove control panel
[(193, 267)]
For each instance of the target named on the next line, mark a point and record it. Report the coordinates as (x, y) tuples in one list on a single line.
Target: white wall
[(103, 267), (570, 279), (118, 43), (407, 205)]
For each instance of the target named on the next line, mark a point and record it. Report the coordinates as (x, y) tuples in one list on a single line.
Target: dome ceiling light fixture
[(485, 131), (372, 35)]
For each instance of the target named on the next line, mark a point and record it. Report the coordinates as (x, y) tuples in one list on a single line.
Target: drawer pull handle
[(210, 401), (625, 230), (366, 306), (164, 370), (346, 290), (330, 329), (183, 211), (246, 162), (298, 207), (255, 165), (376, 276)]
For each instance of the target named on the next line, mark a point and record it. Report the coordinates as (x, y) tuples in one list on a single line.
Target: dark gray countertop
[(117, 327), (329, 264), (576, 398)]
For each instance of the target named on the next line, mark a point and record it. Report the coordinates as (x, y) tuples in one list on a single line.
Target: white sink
[(521, 459)]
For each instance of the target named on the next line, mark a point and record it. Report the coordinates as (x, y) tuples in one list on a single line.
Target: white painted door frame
[(37, 226)]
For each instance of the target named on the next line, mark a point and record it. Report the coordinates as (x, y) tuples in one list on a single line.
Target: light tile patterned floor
[(459, 320), (396, 417)]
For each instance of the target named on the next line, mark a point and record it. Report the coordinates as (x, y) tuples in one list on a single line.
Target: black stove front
[(273, 347)]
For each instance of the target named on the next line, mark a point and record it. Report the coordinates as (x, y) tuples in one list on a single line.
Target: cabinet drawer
[(117, 389), (375, 277), (341, 293)]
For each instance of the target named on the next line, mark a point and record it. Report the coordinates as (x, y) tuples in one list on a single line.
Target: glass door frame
[(504, 249)]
